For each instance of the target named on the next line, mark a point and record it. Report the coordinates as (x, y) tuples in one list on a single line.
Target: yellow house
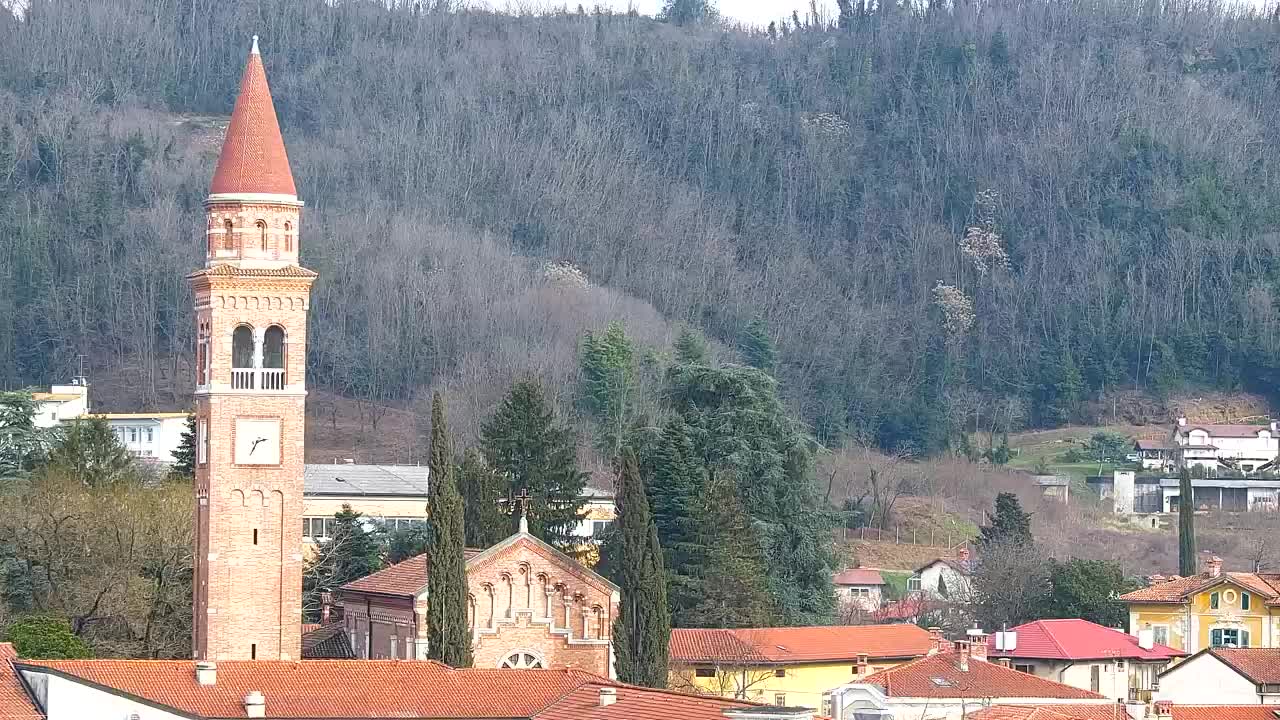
[(1210, 609), (789, 666)]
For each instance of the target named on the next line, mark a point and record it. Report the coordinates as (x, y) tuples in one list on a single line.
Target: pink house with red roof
[(859, 589), (1085, 655)]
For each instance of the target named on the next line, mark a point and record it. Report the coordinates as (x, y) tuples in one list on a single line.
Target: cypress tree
[(643, 627), (448, 638), (1186, 525), (524, 443)]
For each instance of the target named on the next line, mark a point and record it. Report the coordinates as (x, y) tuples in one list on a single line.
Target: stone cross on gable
[(522, 501)]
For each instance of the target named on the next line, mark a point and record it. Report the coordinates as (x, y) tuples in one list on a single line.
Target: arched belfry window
[(273, 348), (242, 347), (262, 233), (288, 237), (228, 230)]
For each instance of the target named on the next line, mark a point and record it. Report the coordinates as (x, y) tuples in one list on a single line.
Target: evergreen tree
[(739, 429), (351, 553), (44, 637), (728, 566), (690, 346), (22, 444), (482, 490), (1187, 565), (687, 12), (406, 542), (448, 636), (643, 627), (608, 383), (1088, 589), (184, 457), (90, 452), (675, 487), (756, 346), (523, 442), (1009, 525)]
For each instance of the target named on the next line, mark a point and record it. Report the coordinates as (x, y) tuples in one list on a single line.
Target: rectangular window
[(1028, 669), (202, 442), (780, 672), (1160, 633), (393, 648), (1244, 601), (133, 434), (913, 582), (1229, 637), (150, 437), (780, 699), (1095, 677), (408, 648), (1213, 601), (704, 672)]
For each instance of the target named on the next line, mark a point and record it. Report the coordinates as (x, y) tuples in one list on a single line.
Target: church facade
[(529, 606), (251, 302)]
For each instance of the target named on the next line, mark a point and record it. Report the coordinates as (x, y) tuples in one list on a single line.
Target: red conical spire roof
[(253, 159)]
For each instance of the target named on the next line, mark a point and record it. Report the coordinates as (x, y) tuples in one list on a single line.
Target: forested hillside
[(944, 215)]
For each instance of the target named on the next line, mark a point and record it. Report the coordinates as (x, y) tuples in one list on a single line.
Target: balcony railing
[(257, 379)]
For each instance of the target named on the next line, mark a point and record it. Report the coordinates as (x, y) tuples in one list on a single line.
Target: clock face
[(257, 441)]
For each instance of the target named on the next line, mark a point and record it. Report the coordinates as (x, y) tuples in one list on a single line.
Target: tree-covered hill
[(944, 214)]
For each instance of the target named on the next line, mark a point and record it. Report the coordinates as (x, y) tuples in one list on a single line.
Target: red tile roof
[(15, 704), (797, 644), (408, 577), (1224, 712), (858, 576), (1231, 431), (253, 158), (1176, 591), (326, 642), (1075, 639), (1260, 665), (636, 703), (1064, 711), (940, 676), (352, 689)]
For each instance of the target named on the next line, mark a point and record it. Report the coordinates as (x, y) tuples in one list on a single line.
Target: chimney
[(206, 673), (977, 643), (940, 643), (326, 607), (1164, 710), (1182, 422), (1213, 566), (962, 650), (1004, 662), (962, 555), (1146, 638), (255, 705), (862, 665), (608, 696)]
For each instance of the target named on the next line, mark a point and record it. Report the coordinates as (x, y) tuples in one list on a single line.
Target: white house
[(949, 686), (1218, 448), (1224, 676), (148, 436), (859, 589), (61, 403), (944, 578)]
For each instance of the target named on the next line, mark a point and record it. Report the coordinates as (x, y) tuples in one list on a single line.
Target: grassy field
[(1049, 446)]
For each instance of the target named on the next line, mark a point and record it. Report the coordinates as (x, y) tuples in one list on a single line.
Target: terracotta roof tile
[(1064, 711), (1260, 665), (15, 704), (798, 644), (1224, 712), (1175, 591), (253, 158), (858, 576), (1075, 639), (940, 676), (408, 577), (1230, 431), (223, 270), (636, 703), (356, 689)]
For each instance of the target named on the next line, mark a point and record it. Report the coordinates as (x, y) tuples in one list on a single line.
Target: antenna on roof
[(255, 45)]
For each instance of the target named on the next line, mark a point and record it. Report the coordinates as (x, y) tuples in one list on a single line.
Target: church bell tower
[(251, 302)]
